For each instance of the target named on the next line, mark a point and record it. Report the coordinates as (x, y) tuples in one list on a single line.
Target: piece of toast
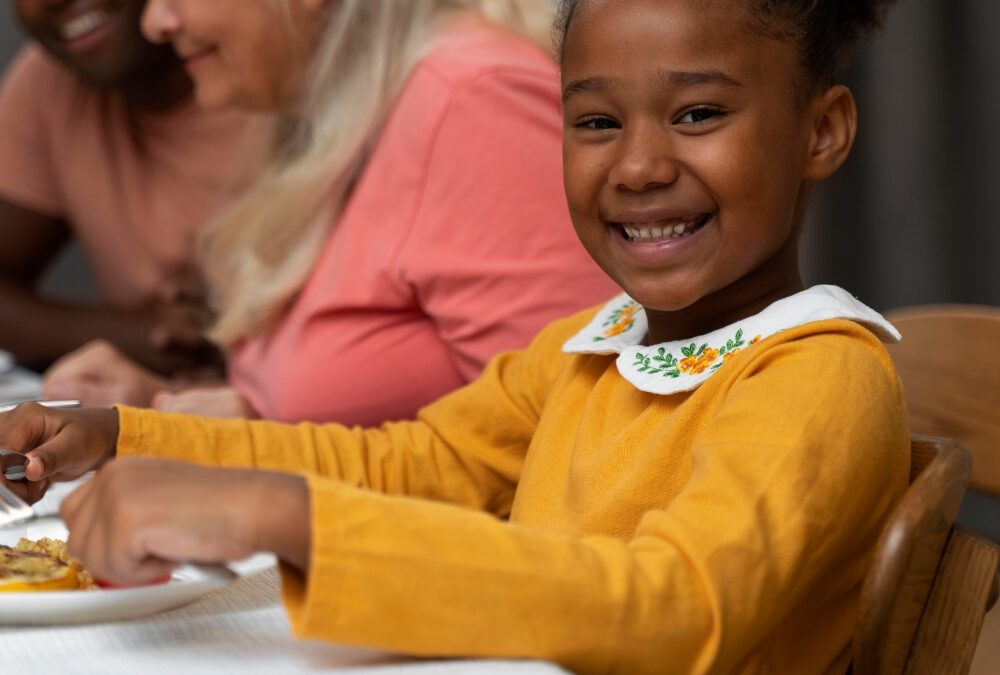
[(41, 565)]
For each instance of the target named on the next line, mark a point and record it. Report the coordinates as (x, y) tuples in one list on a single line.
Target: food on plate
[(42, 565)]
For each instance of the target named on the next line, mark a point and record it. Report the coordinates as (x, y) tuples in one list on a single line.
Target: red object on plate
[(107, 584)]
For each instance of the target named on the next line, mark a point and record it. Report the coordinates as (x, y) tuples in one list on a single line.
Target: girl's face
[(99, 39), (686, 149), (248, 54)]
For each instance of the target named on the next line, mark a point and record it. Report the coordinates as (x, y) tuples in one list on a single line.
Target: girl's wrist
[(107, 422), (280, 521)]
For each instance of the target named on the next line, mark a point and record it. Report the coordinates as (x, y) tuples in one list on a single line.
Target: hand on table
[(60, 445), (138, 518), (208, 402), (99, 375), (178, 322)]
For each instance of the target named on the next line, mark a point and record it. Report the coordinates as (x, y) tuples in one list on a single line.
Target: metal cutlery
[(13, 509)]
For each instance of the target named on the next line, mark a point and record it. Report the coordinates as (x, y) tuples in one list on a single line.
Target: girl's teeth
[(81, 25), (636, 233)]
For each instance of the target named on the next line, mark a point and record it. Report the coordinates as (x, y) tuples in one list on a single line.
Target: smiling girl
[(690, 479)]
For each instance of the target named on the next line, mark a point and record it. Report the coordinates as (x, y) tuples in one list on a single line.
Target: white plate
[(65, 607)]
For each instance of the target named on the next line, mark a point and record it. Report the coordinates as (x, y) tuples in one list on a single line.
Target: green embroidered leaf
[(739, 335), (687, 351), (661, 351)]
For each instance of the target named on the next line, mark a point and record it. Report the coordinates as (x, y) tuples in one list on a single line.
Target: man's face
[(98, 39)]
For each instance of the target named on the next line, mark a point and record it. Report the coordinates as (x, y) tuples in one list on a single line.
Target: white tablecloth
[(18, 383), (239, 629)]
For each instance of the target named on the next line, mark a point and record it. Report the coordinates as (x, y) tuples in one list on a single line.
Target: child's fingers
[(23, 428)]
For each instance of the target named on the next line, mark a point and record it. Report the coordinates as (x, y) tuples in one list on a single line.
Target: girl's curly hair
[(829, 32)]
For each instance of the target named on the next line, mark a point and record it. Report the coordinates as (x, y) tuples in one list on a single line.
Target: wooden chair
[(930, 584), (949, 361)]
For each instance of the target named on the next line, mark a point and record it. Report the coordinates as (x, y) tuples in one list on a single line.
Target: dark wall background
[(9, 37), (914, 217)]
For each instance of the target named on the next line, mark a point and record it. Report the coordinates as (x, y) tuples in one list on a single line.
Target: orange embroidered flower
[(755, 340), (696, 365), (731, 354), (617, 329), (688, 364)]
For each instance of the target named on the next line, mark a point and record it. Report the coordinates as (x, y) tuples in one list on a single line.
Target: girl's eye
[(597, 123), (700, 115)]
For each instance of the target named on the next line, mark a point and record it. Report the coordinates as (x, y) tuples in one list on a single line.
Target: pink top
[(455, 245), (134, 188)]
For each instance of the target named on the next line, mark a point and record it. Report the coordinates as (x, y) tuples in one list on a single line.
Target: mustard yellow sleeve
[(790, 481), (467, 448)]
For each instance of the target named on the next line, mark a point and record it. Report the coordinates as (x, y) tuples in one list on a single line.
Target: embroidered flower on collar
[(620, 320), (621, 326), (695, 360)]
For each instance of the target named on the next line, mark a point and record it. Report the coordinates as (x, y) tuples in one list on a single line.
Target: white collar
[(671, 367)]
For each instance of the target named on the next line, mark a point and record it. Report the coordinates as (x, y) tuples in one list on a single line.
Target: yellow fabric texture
[(551, 510)]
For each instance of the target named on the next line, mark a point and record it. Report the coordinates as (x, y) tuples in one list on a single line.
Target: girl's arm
[(467, 448)]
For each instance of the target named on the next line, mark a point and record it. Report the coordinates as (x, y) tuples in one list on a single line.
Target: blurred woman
[(100, 141), (411, 222)]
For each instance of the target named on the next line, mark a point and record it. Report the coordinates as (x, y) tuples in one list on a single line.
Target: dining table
[(239, 627)]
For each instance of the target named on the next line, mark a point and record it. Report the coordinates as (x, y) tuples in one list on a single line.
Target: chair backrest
[(906, 601), (949, 362)]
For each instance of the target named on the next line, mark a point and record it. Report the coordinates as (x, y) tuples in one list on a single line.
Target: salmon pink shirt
[(456, 244), (134, 187)]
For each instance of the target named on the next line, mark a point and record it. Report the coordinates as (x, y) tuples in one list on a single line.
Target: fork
[(13, 509)]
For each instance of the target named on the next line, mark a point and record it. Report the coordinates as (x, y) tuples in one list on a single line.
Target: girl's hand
[(208, 402), (139, 518), (99, 375), (59, 444)]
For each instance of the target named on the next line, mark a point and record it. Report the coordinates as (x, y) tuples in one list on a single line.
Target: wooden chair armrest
[(965, 587)]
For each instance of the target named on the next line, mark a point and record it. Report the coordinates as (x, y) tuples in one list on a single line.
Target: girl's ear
[(835, 124)]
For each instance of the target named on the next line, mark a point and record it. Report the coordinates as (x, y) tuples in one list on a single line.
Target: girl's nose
[(160, 21), (645, 161)]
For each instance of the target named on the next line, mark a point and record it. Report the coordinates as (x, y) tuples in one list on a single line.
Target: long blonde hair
[(259, 253)]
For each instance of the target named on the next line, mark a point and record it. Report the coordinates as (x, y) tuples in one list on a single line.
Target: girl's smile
[(687, 162), (655, 237)]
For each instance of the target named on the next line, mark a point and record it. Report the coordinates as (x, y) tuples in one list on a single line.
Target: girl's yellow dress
[(558, 508)]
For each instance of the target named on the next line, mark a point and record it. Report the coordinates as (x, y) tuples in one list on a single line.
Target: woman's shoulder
[(469, 50)]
